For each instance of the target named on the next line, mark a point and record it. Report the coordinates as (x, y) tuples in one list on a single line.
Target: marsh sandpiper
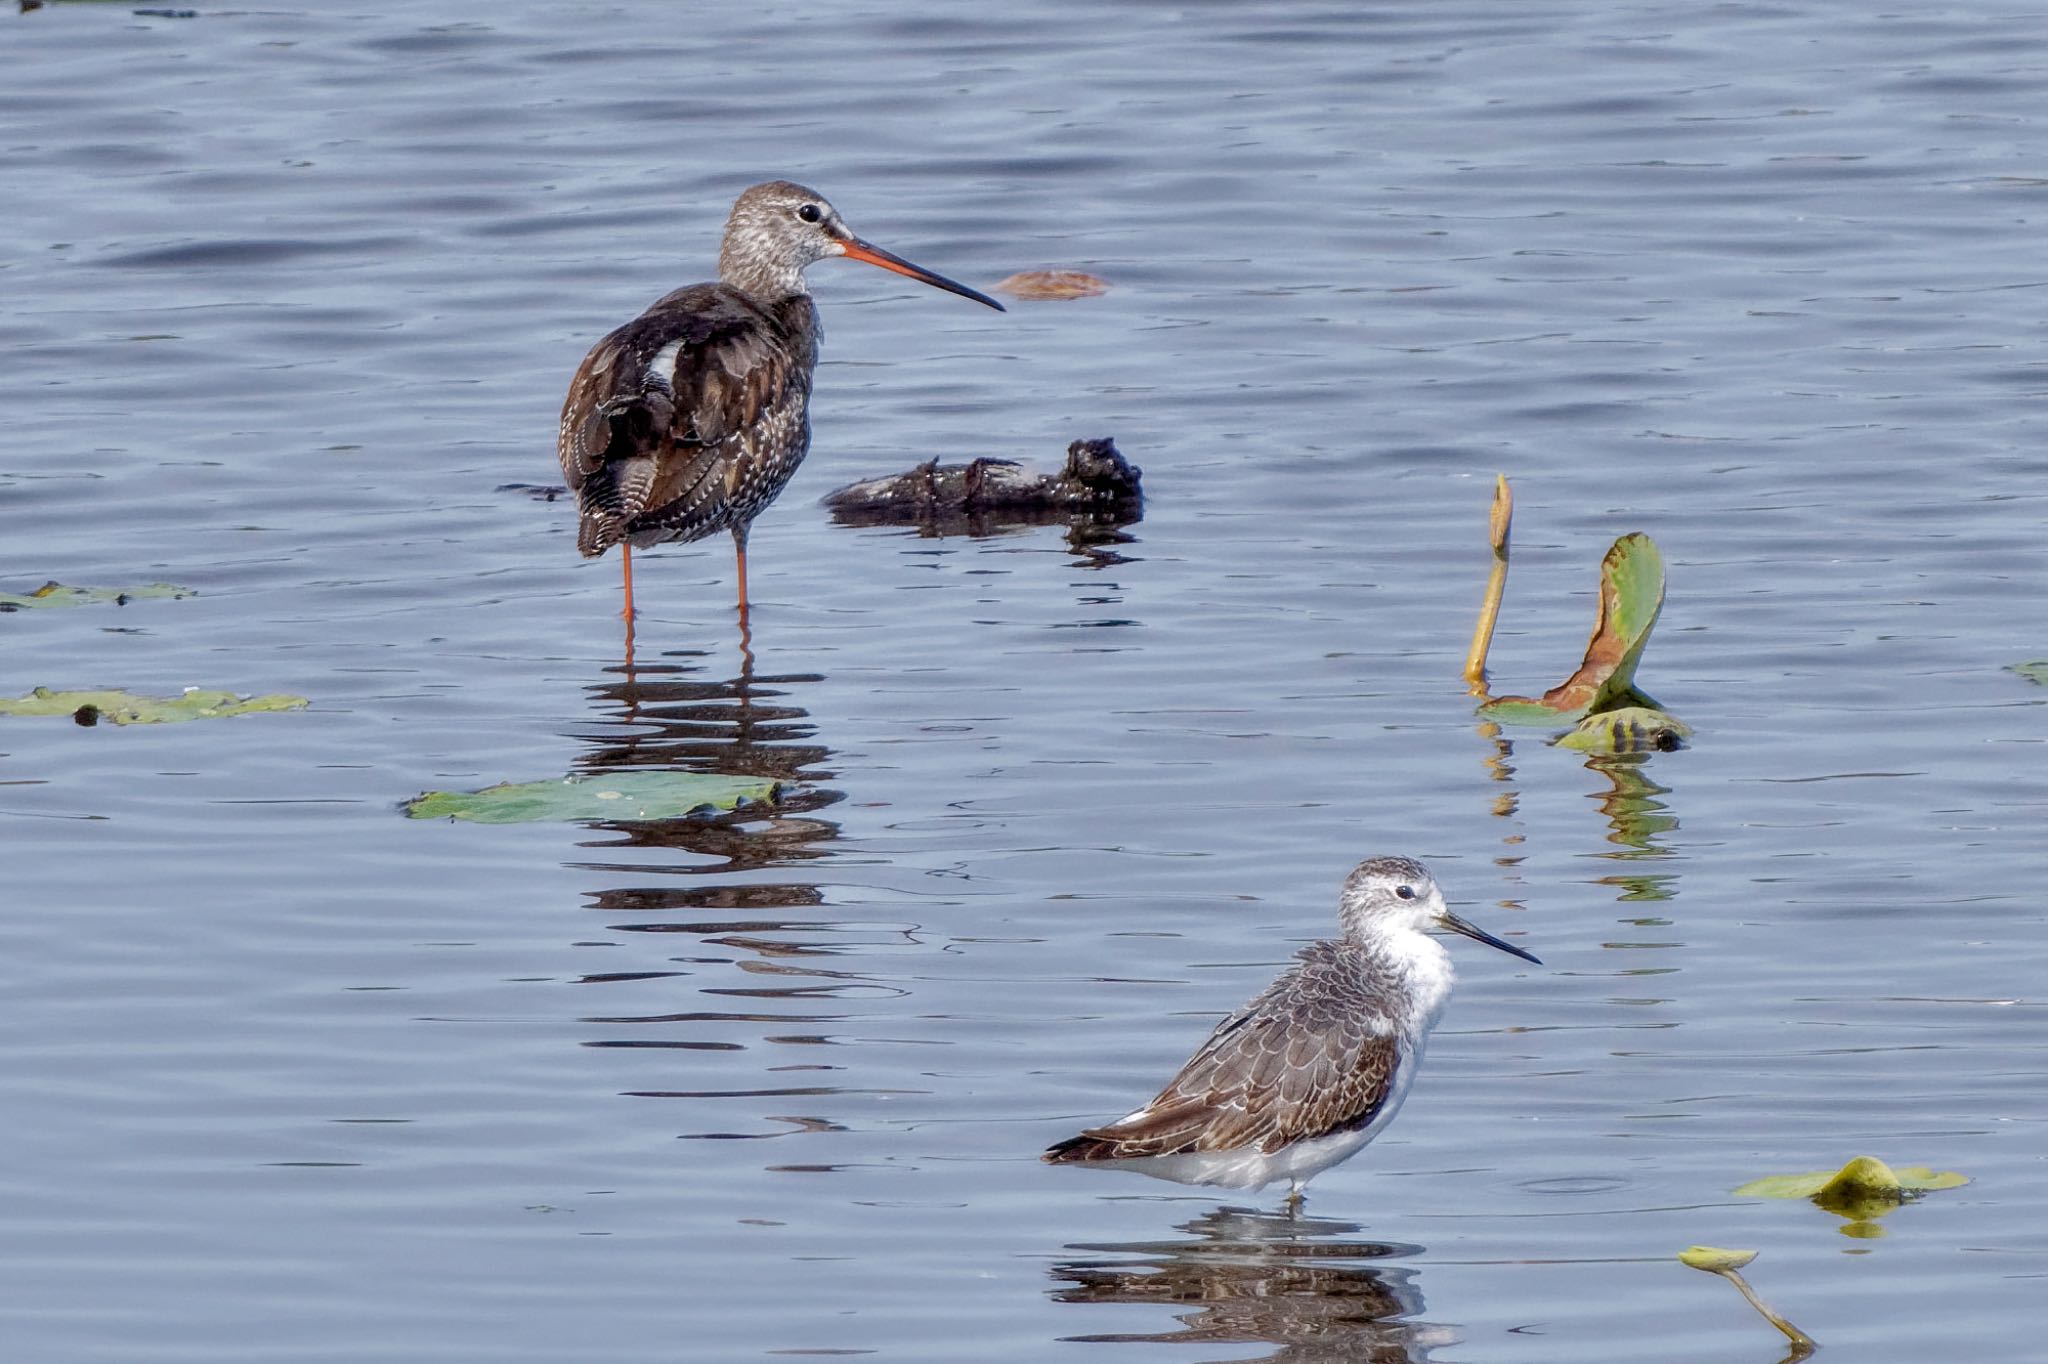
[(1317, 1065)]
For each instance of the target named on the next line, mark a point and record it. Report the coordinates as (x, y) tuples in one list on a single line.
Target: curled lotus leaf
[(1631, 597), (1865, 1187), (126, 708), (1713, 1259), (2037, 671), (607, 797)]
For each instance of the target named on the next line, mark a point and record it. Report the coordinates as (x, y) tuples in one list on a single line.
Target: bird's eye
[(1405, 892), (810, 213)]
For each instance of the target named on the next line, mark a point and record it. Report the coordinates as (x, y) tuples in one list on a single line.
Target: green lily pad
[(58, 594), (126, 708), (1631, 596), (609, 796), (1713, 1259), (2037, 671), (1630, 729), (1865, 1187)]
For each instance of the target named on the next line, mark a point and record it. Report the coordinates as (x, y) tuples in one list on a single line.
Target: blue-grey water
[(288, 297)]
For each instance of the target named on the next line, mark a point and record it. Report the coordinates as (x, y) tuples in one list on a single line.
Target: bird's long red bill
[(856, 249)]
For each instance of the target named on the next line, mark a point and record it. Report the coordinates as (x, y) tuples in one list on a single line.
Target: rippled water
[(287, 299)]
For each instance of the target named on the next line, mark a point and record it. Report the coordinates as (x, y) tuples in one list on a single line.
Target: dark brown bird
[(689, 419)]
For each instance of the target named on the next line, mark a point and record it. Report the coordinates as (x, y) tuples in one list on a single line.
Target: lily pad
[(1715, 1260), (1631, 596), (59, 594), (126, 708), (1630, 729), (609, 796), (2037, 671), (1854, 1189)]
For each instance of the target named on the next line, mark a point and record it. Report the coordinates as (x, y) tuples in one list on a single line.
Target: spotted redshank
[(1314, 1067), (689, 419)]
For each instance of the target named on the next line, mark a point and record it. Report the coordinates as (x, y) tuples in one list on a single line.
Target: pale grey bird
[(1317, 1065)]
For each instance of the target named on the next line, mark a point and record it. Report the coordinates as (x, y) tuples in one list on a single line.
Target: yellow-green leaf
[(2037, 671), (1715, 1260), (1629, 729), (604, 797), (126, 708), (58, 594), (1864, 1176)]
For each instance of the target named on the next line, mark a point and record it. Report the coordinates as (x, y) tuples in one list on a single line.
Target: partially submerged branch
[(1496, 587), (1728, 1264)]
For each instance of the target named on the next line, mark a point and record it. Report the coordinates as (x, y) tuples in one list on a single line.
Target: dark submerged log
[(1097, 487)]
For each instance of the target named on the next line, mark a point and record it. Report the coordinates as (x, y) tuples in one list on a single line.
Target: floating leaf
[(609, 796), (1052, 284), (2037, 671), (1631, 729), (1715, 1260), (1855, 1189), (58, 594), (126, 708), (1631, 596)]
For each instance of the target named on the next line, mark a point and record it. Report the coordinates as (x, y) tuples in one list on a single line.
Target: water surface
[(291, 297)]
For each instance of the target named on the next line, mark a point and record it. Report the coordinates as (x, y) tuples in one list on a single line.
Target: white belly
[(1247, 1167)]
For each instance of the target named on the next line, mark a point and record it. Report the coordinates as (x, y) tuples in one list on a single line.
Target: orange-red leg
[(739, 549), (626, 557)]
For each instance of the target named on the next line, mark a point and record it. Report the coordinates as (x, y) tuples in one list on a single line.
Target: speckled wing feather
[(1314, 1054), (689, 418)]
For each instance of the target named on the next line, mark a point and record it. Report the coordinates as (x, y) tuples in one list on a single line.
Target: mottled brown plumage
[(1317, 1064), (689, 419), (1313, 1054)]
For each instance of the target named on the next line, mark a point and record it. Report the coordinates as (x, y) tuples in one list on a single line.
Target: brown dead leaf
[(1044, 284)]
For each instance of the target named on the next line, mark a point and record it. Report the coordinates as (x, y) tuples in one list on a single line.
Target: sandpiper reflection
[(1296, 1283), (729, 974), (668, 716)]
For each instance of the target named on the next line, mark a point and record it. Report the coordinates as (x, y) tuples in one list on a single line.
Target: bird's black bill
[(1477, 934), (856, 249)]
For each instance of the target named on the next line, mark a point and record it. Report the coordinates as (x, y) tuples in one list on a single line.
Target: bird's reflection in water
[(668, 717), (745, 953), (1293, 1282)]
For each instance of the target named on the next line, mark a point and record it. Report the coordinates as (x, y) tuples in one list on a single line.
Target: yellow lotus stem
[(1496, 587)]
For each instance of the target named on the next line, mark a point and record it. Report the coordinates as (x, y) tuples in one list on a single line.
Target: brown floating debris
[(1053, 284), (1097, 486)]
